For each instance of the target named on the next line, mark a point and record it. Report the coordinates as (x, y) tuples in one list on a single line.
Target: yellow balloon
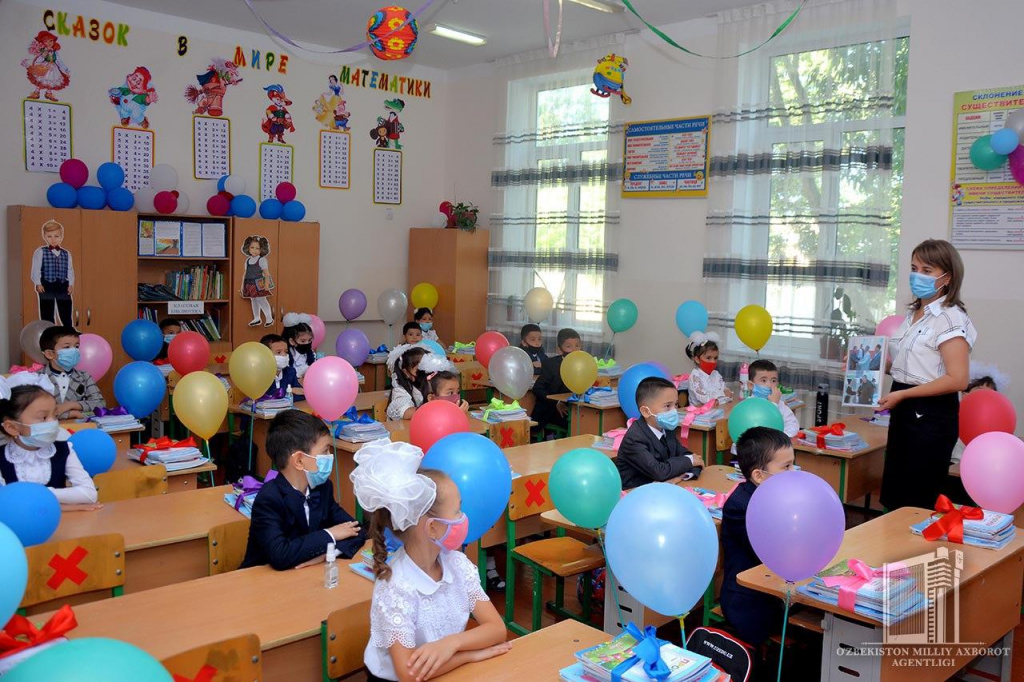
[(252, 369), (424, 295), (579, 371), (201, 403), (754, 326)]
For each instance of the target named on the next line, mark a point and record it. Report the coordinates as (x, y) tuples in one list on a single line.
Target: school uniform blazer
[(279, 534), (644, 458), (536, 355), (549, 382)]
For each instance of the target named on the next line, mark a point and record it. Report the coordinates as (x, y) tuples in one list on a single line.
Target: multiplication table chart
[(387, 176), (211, 145), (133, 152), (47, 130), (275, 167), (334, 159)]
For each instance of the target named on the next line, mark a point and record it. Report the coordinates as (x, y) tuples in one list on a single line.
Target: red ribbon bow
[(837, 429), (951, 524), (163, 443), (21, 368), (21, 634), (220, 358)]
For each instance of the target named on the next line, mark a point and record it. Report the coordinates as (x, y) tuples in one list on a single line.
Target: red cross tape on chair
[(67, 569)]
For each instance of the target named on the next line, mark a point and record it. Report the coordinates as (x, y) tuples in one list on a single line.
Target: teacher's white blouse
[(914, 347)]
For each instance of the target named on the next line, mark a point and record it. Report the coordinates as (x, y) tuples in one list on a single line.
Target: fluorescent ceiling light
[(601, 5), (455, 34)]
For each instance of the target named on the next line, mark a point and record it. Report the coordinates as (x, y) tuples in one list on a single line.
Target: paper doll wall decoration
[(609, 77), (53, 275), (134, 97), (257, 282), (388, 131), (44, 68), (277, 119), (213, 85), (330, 108)]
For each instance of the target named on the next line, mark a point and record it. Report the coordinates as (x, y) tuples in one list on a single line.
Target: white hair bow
[(24, 379), (397, 352), (292, 319), (386, 477), (433, 363)]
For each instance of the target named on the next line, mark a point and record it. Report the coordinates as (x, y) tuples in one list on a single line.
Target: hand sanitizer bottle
[(744, 380), (290, 396), (331, 567)]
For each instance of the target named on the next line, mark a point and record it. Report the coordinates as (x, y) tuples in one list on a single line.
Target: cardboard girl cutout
[(53, 276), (44, 69), (256, 280)]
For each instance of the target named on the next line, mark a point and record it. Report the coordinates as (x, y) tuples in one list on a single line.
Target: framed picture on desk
[(865, 364)]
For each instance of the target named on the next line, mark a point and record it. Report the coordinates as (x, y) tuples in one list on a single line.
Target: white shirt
[(914, 347), (430, 335), (705, 388), (305, 508), (299, 363), (61, 380), (402, 400), (33, 466), (411, 608)]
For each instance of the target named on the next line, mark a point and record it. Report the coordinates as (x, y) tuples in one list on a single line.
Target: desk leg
[(510, 569), (842, 481), (1006, 661)]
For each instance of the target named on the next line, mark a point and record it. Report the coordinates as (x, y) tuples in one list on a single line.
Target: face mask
[(454, 535), (453, 398), (304, 348), (281, 361), (67, 358), (922, 286), (324, 467), (761, 391), (169, 337), (40, 434), (426, 326), (706, 366), (668, 420)]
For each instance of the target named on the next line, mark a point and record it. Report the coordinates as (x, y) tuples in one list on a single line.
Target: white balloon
[(182, 204), (440, 220), (235, 184), (1015, 122), (144, 200), (538, 303), (163, 176), (392, 305)]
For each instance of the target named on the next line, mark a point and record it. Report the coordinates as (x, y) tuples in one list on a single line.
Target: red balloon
[(446, 208), (74, 172), (433, 421), (165, 202), (189, 352), (226, 194), (285, 192), (487, 345), (218, 205), (982, 411)]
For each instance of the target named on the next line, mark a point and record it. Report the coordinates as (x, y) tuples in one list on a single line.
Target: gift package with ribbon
[(639, 656), (497, 411), (359, 428), (114, 420), (832, 437), (21, 639), (244, 493), (967, 525), (276, 401), (464, 348), (855, 586), (176, 455), (378, 355), (598, 396), (610, 368), (711, 500)]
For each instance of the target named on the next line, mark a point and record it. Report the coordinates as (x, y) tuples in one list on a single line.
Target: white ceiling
[(510, 26)]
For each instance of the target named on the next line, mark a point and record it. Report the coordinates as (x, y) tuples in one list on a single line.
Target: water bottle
[(744, 380), (821, 406), (290, 395)]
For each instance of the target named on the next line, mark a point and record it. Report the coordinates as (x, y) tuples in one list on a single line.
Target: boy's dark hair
[(293, 431), (420, 312), (434, 382), (982, 382), (761, 366), (756, 447), (21, 397), (566, 334), (169, 322), (694, 350), (410, 325), (528, 329), (268, 339), (52, 335), (650, 387)]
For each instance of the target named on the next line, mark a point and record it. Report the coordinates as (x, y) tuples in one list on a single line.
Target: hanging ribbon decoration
[(661, 34), (553, 46)]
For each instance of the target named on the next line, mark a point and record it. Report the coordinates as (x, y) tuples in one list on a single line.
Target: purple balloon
[(352, 304), (353, 346), (795, 522)]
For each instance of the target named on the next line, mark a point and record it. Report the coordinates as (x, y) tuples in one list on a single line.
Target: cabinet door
[(246, 310), (299, 268), (31, 220)]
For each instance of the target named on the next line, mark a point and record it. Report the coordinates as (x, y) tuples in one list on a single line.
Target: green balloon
[(983, 156), (754, 412), (91, 659), (622, 315), (585, 487)]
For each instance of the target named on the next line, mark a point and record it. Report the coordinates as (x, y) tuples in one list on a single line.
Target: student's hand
[(75, 414), (491, 651), (71, 289), (892, 400), (562, 408), (430, 657), (728, 393), (775, 396), (698, 461), (344, 531), (535, 364), (313, 562), (464, 406), (71, 405), (40, 290)]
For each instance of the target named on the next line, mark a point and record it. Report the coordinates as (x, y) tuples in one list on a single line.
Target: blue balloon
[(655, 534), (692, 317), (293, 211), (220, 183), (95, 449), (628, 383), (139, 387), (1005, 141), (62, 195), (13, 573), (91, 197), (270, 209), (30, 510), (243, 206), (91, 659), (433, 347), (482, 474), (110, 175), (120, 199), (142, 340)]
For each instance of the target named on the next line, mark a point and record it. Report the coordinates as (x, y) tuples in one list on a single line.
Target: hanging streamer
[(661, 34), (553, 46)]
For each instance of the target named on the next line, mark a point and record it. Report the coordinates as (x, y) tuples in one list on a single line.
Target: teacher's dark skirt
[(922, 435)]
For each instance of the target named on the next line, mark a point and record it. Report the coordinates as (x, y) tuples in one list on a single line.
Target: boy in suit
[(550, 383), (53, 274), (76, 392), (532, 342), (755, 616), (294, 515), (651, 450)]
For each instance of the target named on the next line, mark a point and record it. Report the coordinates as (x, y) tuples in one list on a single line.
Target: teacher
[(930, 365)]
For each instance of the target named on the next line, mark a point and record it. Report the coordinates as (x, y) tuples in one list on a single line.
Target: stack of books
[(198, 283), (165, 368), (245, 507), (466, 349), (364, 568), (903, 596), (850, 441), (270, 407), (709, 418), (500, 416), (116, 423), (880, 419), (598, 397), (994, 531), (597, 663), (354, 432), (710, 500), (615, 370), (792, 400), (175, 459), (377, 358)]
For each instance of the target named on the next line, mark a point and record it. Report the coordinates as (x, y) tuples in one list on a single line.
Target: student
[(424, 595), (294, 515), (442, 384), (651, 450), (550, 382), (425, 318), (706, 384), (76, 392), (299, 335), (32, 453), (762, 452), (412, 333), (532, 342), (286, 375), (170, 329), (407, 385), (764, 383)]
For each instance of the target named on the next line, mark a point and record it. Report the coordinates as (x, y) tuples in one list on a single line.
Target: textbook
[(577, 673), (993, 531), (871, 600), (599, 661)]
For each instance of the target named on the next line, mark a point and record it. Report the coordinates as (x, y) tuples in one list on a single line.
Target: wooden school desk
[(122, 439), (852, 475), (283, 608), (165, 536), (990, 588), (177, 481), (375, 376), (585, 418)]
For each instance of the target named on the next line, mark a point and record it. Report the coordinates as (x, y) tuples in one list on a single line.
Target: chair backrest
[(227, 543), (473, 375), (510, 434), (130, 483), (530, 496), (380, 409), (230, 660), (346, 633), (726, 652), (75, 566)]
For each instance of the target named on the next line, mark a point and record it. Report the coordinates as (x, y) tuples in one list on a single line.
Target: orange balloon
[(433, 421)]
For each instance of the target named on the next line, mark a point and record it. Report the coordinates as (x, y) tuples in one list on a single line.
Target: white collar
[(935, 307), (423, 583), (17, 455), (657, 432)]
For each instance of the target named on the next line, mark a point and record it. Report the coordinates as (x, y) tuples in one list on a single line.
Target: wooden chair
[(344, 636), (129, 484), (510, 434), (238, 658), (380, 410), (227, 543), (63, 568)]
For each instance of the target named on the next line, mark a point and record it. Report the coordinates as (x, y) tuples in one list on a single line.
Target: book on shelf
[(199, 283), (208, 325)]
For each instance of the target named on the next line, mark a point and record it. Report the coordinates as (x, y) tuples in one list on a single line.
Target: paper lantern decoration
[(387, 40)]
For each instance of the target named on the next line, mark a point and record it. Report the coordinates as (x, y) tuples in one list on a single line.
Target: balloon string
[(610, 577), (608, 352), (252, 421), (552, 46), (682, 627), (785, 621)]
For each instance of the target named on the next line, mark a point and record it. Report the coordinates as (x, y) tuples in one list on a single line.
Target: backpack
[(728, 654)]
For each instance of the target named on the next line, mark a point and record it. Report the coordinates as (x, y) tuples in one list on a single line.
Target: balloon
[(692, 316), (1016, 163), (189, 352), (487, 344), (96, 355), (655, 534), (270, 209), (795, 523), (439, 220), (433, 421), (353, 346), (285, 192), (74, 172), (446, 208), (1015, 122), (217, 205), (96, 450), (585, 486), (30, 510), (139, 387), (92, 198), (630, 380), (121, 199), (144, 200), (331, 386), (30, 339), (622, 315), (201, 403), (754, 412), (227, 195), (13, 573), (234, 184), (110, 175), (424, 295), (433, 347), (252, 368), (983, 156), (352, 304), (319, 330), (220, 183), (243, 205), (511, 371), (992, 471), (479, 469), (392, 304), (538, 303), (754, 326), (579, 371), (889, 325), (91, 659), (62, 195), (183, 204), (1005, 141), (165, 202), (293, 211), (142, 340), (163, 176), (985, 411)]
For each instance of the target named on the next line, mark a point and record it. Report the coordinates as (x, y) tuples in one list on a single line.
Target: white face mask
[(282, 361)]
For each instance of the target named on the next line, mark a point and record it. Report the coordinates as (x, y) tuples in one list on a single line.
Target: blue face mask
[(922, 286), (426, 326), (324, 467), (67, 358), (668, 420), (169, 337), (761, 391), (40, 434)]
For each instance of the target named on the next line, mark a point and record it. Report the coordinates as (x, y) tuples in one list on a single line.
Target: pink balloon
[(74, 172), (319, 330), (331, 386), (992, 470), (285, 192), (889, 325), (96, 355)]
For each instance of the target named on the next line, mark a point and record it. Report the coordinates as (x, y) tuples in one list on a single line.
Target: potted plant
[(463, 216), (841, 327)]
